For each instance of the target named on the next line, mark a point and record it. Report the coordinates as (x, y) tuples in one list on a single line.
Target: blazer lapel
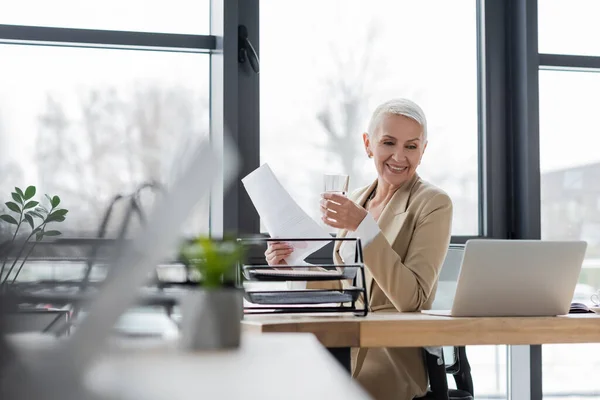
[(389, 222), (393, 216)]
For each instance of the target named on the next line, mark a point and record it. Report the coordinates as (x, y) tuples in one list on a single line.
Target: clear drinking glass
[(336, 183)]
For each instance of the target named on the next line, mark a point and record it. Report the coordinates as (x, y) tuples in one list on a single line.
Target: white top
[(367, 231)]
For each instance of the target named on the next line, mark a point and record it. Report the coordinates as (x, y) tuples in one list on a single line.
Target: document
[(282, 216)]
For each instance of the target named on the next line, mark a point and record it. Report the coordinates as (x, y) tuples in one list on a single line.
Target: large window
[(570, 197), (174, 16), (88, 124), (325, 66), (569, 27)]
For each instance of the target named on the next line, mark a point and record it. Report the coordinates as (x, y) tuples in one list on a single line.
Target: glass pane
[(325, 66), (88, 124), (570, 196), (488, 370), (175, 16), (569, 27)]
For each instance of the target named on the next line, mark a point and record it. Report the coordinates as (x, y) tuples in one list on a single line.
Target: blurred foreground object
[(42, 367), (211, 314)]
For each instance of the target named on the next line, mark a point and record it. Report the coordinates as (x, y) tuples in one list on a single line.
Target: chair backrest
[(455, 358), (448, 278), (446, 290)]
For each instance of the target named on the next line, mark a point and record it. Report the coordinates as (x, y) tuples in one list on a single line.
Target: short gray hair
[(405, 107)]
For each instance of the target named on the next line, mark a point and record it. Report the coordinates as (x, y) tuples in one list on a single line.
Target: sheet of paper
[(282, 216)]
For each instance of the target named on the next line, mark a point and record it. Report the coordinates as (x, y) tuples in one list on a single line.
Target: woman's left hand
[(340, 212)]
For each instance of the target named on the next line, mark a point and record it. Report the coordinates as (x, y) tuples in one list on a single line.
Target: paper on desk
[(282, 216)]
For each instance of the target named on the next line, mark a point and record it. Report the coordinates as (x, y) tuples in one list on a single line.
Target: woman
[(404, 224)]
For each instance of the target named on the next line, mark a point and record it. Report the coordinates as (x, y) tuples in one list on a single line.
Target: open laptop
[(516, 278)]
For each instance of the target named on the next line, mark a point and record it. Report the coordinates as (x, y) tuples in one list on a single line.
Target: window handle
[(246, 50)]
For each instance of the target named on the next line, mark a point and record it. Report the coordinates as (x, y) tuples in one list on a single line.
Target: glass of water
[(336, 183)]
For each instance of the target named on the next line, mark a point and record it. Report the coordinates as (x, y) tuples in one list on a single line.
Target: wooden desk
[(341, 332), (418, 330)]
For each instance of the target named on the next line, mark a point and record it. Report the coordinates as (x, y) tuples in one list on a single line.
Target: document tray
[(265, 292), (297, 297), (254, 273)]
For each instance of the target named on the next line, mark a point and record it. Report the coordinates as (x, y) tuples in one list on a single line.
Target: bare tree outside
[(11, 174), (346, 101), (111, 141)]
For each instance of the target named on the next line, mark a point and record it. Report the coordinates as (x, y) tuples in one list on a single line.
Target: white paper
[(282, 216)]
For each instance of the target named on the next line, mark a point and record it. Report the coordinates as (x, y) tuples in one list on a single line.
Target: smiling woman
[(404, 224)]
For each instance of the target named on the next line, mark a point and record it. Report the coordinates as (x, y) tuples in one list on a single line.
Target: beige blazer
[(404, 261)]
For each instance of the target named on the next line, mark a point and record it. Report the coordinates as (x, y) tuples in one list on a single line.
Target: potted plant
[(25, 211), (211, 314)]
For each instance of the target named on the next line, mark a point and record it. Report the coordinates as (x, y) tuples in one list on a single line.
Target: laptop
[(516, 278)]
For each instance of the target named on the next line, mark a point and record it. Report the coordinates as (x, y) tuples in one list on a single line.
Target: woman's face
[(397, 148)]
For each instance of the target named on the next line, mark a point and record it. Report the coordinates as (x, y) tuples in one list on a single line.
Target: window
[(88, 124), (325, 66), (569, 27), (175, 16), (570, 168)]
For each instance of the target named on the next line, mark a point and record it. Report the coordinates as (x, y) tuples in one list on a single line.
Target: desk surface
[(418, 330), (265, 367)]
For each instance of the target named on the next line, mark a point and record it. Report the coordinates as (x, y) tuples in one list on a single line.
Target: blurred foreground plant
[(215, 260)]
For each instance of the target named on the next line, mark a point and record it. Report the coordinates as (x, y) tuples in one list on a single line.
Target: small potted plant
[(211, 314)]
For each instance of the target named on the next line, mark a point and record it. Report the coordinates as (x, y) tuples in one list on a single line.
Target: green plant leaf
[(20, 192), (41, 209), (62, 212), (36, 214), (58, 215), (55, 201), (29, 192), (216, 261), (9, 219), (16, 197), (29, 219), (52, 233), (30, 204), (13, 207), (39, 236)]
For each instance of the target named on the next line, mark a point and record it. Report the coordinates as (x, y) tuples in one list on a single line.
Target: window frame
[(560, 62), (130, 40)]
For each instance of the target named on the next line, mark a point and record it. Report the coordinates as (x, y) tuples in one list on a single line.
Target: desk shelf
[(348, 295)]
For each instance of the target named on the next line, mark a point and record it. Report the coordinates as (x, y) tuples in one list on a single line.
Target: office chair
[(437, 370), (458, 365)]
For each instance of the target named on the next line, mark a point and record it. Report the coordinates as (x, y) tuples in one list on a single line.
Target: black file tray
[(301, 297), (302, 273), (349, 298)]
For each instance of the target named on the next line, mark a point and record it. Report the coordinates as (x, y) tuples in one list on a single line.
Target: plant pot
[(211, 319)]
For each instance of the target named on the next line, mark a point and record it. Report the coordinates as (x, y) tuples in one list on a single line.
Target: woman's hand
[(340, 212), (277, 252)]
